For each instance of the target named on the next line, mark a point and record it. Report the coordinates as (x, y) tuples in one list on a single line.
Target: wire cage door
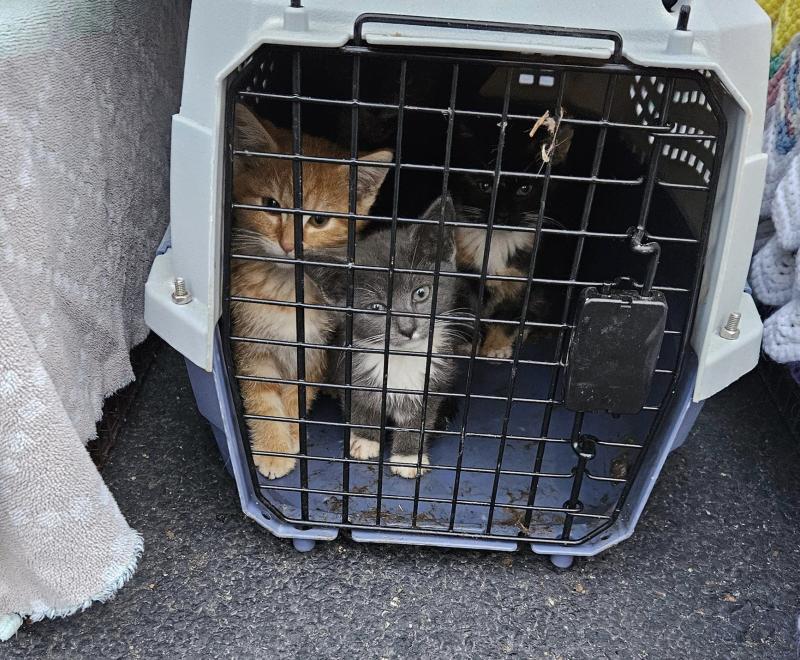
[(506, 457)]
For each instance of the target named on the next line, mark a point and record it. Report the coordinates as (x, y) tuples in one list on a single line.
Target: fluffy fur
[(268, 182), (416, 248), (517, 205)]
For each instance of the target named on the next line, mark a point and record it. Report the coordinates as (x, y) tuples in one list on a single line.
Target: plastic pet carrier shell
[(601, 171)]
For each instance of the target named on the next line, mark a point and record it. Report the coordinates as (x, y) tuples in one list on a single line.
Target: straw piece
[(539, 123)]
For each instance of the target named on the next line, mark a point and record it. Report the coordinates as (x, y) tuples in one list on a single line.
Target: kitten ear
[(370, 177), (440, 206), (253, 133), (427, 235)]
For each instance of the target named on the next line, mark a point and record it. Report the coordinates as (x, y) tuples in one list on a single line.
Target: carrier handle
[(488, 26)]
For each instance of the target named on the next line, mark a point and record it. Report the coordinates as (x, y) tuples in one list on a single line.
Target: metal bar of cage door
[(352, 207), (481, 292), (523, 315), (577, 481), (435, 291), (576, 260), (299, 280), (649, 186), (390, 285)]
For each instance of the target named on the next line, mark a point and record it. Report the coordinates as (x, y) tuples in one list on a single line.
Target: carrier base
[(215, 403)]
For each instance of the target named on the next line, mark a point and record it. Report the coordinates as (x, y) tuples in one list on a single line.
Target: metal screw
[(181, 295), (731, 329)]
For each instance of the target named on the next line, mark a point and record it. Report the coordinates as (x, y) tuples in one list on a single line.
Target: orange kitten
[(269, 182)]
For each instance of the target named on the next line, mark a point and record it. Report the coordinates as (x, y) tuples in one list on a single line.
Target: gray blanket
[(87, 89)]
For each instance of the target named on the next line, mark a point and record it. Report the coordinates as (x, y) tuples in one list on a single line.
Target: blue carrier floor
[(486, 416), (599, 492)]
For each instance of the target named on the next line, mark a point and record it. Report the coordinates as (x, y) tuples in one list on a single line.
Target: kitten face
[(411, 294), (415, 248), (269, 182), (518, 198), (517, 202)]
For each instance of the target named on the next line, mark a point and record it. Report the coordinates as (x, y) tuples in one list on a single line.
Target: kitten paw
[(497, 344), (274, 467), (408, 472), (504, 352), (363, 449)]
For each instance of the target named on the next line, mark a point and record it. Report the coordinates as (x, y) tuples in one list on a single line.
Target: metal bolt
[(731, 328), (181, 295)]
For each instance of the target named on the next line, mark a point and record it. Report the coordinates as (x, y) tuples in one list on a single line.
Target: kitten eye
[(318, 221), (271, 202), (524, 190), (421, 294), (377, 307), (485, 187)]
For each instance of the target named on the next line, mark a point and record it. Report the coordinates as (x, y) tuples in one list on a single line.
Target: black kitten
[(517, 206), (415, 248)]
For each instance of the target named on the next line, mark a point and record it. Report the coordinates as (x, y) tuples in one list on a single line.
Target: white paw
[(408, 472), (274, 467), (500, 352), (363, 449)]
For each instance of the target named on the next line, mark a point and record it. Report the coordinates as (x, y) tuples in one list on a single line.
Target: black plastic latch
[(614, 348)]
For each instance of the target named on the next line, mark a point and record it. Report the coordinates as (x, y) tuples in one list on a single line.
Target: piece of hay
[(545, 118), (552, 127)]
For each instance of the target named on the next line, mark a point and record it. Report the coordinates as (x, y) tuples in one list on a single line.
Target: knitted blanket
[(785, 15), (774, 272), (88, 89)]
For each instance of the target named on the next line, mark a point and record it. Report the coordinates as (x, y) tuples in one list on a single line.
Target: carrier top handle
[(487, 26)]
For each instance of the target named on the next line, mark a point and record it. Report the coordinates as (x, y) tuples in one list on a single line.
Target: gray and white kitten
[(415, 248)]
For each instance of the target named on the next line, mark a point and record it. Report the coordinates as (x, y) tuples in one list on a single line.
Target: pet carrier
[(592, 182)]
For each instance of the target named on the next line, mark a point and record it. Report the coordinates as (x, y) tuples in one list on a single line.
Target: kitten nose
[(287, 235), (407, 327), (287, 244)]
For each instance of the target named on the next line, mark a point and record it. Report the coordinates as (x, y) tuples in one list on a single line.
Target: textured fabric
[(774, 274), (779, 73), (782, 333), (772, 7), (63, 541), (775, 164), (88, 89), (785, 15), (786, 207)]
